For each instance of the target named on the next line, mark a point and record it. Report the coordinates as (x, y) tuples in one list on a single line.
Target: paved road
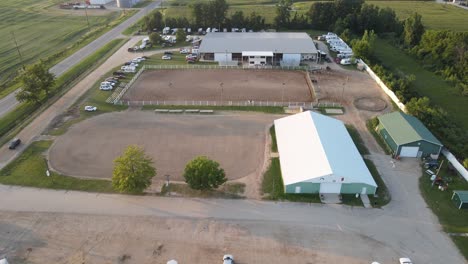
[(406, 227), (9, 102)]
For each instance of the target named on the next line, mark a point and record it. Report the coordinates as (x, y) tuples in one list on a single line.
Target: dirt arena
[(236, 141), (220, 85)]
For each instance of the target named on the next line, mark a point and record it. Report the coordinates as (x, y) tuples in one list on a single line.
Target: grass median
[(23, 114), (29, 169)]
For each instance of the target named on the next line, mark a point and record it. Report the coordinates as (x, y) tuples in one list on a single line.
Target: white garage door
[(330, 187), (411, 152)]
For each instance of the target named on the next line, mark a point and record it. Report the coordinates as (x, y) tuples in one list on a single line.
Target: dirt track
[(236, 141), (220, 85)]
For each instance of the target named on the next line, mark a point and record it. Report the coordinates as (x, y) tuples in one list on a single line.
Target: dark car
[(431, 164), (14, 143), (168, 53)]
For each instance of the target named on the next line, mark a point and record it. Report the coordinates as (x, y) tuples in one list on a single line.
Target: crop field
[(435, 15), (41, 30)]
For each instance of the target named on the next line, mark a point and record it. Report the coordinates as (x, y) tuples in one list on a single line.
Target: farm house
[(317, 155), (258, 49), (407, 136), (460, 199)]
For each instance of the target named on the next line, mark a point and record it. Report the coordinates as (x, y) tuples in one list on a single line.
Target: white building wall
[(223, 57), (99, 2), (291, 59), (257, 60)]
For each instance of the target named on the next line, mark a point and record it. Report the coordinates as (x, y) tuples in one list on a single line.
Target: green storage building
[(460, 199), (407, 136), (317, 155)]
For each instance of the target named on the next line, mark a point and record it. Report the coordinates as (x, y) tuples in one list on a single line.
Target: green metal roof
[(405, 129), (463, 195)]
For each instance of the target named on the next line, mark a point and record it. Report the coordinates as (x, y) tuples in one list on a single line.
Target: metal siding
[(389, 140), (223, 56), (306, 187), (353, 188), (426, 147)]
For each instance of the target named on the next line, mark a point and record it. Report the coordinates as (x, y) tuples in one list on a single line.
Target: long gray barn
[(258, 48)]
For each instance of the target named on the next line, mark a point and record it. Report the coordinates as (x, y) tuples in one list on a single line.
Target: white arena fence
[(116, 97), (222, 103)]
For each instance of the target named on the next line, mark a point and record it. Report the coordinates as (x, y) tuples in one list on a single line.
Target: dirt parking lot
[(91, 239), (235, 140), (220, 85)]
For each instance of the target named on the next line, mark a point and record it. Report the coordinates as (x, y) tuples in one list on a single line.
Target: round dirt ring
[(374, 104)]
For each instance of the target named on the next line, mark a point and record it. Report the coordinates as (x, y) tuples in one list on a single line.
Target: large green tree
[(364, 48), (283, 16), (153, 20), (155, 38), (133, 171), (181, 35), (36, 83), (413, 30), (204, 174)]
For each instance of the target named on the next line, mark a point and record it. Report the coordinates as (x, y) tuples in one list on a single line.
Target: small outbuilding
[(460, 199), (317, 155), (407, 136)]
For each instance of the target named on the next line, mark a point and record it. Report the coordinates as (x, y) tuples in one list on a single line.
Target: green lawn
[(427, 83), (382, 196), (434, 15), (452, 219), (42, 30), (274, 145), (230, 190), (29, 169), (357, 140)]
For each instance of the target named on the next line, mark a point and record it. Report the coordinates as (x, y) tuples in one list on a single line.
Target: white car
[(166, 57), (405, 261), (108, 83), (184, 51), (348, 61), (90, 108), (228, 259), (105, 88)]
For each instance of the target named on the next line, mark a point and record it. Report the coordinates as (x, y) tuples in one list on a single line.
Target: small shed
[(407, 136), (460, 199)]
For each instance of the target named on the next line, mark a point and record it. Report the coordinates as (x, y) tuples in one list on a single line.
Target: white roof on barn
[(312, 146), (236, 42)]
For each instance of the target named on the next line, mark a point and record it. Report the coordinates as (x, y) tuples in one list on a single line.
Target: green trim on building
[(460, 199), (306, 187), (353, 188), (405, 129)]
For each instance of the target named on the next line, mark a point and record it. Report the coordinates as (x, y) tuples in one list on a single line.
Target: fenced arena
[(217, 85)]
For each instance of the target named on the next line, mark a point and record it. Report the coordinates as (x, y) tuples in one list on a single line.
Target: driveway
[(9, 102)]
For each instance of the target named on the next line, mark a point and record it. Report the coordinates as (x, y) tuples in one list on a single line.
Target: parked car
[(168, 53), (431, 164), (405, 261), (105, 88), (108, 83), (166, 57), (228, 259), (90, 108), (348, 61), (184, 51), (14, 143), (119, 73)]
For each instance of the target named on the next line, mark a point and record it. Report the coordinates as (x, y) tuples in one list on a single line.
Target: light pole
[(221, 86), (282, 93)]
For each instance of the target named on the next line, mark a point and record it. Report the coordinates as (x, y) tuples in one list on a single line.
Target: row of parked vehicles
[(344, 52)]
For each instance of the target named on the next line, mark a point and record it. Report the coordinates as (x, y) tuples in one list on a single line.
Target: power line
[(17, 48)]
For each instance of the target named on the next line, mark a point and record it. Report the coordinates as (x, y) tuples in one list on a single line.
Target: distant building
[(317, 155), (407, 136), (460, 199), (258, 48), (127, 3), (99, 2)]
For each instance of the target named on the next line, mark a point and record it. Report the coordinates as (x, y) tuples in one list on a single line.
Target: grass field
[(427, 83), (451, 219), (42, 30), (29, 169), (434, 15)]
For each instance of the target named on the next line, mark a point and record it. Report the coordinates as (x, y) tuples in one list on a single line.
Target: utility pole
[(87, 19), (17, 48)]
